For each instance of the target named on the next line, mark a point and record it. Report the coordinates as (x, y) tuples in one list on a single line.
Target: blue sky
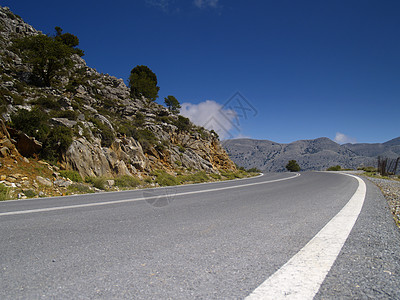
[(303, 69)]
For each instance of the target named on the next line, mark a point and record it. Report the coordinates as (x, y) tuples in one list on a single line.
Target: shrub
[(47, 102), (139, 119), (97, 182), (146, 138), (334, 168), (148, 179), (198, 177), (33, 123), (107, 136), (29, 193), (165, 179), (56, 143), (4, 192), (368, 169), (127, 181), (231, 175), (216, 176), (73, 175), (68, 114), (293, 166), (253, 170), (181, 148), (79, 189), (183, 123)]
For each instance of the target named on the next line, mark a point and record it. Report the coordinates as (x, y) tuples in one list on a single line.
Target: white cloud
[(242, 136), (341, 138), (206, 3), (211, 116)]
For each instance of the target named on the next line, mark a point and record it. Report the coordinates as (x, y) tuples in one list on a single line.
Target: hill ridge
[(314, 154)]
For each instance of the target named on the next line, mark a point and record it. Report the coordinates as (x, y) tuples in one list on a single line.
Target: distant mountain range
[(318, 154)]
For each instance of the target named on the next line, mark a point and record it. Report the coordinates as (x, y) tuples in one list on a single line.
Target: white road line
[(138, 199), (302, 276)]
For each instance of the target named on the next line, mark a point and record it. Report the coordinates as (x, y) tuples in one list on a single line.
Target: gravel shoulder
[(391, 190), (368, 266)]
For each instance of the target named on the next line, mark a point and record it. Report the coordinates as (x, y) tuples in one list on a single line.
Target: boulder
[(64, 122), (44, 181), (26, 145)]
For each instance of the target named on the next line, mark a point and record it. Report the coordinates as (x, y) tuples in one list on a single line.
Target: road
[(221, 240)]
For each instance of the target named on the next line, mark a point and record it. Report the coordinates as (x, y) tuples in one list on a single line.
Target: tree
[(68, 39), (293, 166), (143, 82), (173, 104), (45, 54)]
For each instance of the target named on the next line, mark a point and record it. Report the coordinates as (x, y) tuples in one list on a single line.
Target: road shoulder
[(369, 264)]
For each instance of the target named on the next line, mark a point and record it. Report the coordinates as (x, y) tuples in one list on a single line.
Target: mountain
[(86, 121), (318, 154)]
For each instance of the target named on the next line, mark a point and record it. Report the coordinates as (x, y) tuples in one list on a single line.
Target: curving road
[(225, 240)]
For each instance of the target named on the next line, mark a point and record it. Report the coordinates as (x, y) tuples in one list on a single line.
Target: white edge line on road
[(302, 276), (139, 199)]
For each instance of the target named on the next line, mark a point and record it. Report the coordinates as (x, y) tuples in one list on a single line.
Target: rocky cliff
[(318, 154), (108, 133)]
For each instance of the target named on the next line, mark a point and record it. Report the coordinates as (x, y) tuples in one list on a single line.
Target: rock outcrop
[(112, 133)]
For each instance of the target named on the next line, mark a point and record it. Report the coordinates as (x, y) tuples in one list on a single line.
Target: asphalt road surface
[(221, 240)]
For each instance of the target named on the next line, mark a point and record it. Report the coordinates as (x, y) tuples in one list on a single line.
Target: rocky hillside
[(318, 154), (89, 122)]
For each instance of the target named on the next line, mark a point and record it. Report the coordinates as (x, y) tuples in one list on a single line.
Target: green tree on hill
[(46, 55), (143, 82), (173, 104), (293, 166), (68, 39)]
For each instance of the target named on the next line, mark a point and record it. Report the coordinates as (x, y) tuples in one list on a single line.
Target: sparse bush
[(181, 148), (232, 175), (97, 182), (78, 188), (146, 138), (216, 176), (368, 169), (29, 193), (56, 143), (73, 175), (198, 177), (253, 170), (4, 192), (107, 136), (139, 119), (183, 123), (33, 123), (17, 99), (148, 179), (165, 179), (68, 114), (334, 168), (47, 102), (127, 181)]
